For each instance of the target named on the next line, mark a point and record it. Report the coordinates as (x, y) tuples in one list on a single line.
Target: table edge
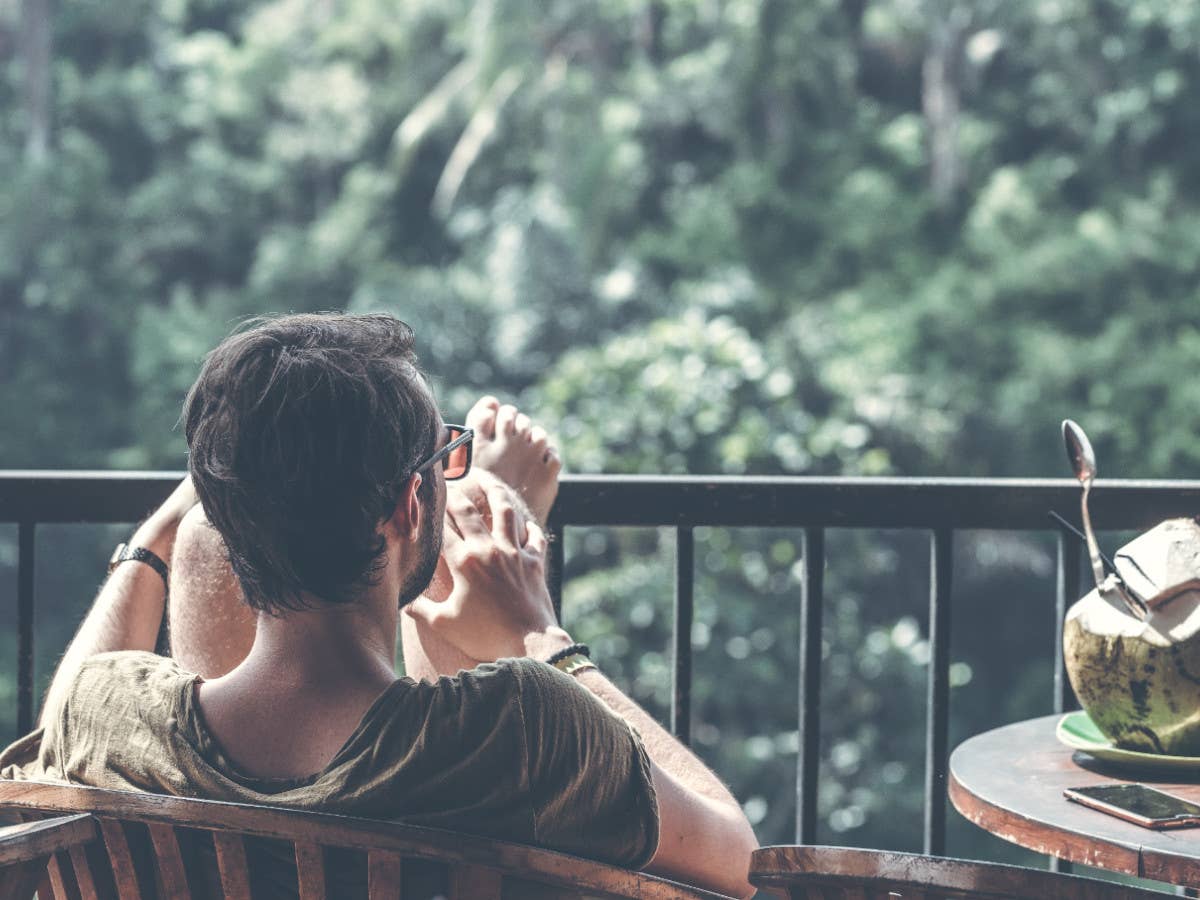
[(1052, 840)]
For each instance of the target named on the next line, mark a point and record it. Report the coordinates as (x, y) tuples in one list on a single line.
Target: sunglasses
[(455, 456)]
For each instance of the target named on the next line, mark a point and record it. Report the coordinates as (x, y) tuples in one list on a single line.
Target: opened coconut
[(1139, 678)]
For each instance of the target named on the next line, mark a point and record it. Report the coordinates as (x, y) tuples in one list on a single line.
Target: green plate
[(1078, 731)]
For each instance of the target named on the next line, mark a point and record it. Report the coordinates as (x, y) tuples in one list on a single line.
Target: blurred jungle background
[(837, 237)]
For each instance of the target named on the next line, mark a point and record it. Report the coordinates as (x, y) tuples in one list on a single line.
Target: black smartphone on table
[(1137, 803)]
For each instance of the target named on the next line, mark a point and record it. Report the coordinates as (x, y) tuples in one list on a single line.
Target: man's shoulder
[(528, 681), (502, 676), (502, 697), (109, 684), (132, 660), (137, 667)]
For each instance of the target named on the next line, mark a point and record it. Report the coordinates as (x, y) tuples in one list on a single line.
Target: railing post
[(1066, 592), (26, 532), (681, 656), (555, 558), (937, 721), (812, 601)]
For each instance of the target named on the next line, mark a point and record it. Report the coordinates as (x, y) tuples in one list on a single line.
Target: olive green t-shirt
[(514, 750)]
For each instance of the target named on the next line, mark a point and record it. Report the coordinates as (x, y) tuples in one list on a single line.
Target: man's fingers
[(454, 547), (506, 529), (482, 416), (425, 611), (464, 516), (506, 419), (536, 541)]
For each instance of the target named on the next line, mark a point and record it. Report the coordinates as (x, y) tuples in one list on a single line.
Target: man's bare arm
[(212, 628), (128, 610), (691, 800), (499, 607)]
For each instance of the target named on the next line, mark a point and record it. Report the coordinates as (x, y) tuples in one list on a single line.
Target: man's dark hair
[(303, 430)]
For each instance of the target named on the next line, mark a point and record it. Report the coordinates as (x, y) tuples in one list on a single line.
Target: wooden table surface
[(1010, 781)]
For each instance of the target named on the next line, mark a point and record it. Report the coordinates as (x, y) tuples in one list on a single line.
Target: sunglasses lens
[(458, 461)]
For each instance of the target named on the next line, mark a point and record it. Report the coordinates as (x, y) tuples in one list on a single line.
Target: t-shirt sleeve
[(589, 774)]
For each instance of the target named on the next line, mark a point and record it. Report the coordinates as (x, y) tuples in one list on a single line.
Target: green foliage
[(693, 237)]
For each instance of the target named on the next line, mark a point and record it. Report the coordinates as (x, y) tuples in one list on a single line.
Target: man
[(212, 629), (321, 460)]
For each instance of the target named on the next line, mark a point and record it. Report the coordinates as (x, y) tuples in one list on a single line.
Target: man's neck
[(304, 688), (327, 645)]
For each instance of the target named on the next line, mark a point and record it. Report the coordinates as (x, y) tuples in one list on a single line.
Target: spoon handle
[(1109, 566), (1093, 547)]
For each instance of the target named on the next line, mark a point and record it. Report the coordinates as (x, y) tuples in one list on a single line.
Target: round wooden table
[(1010, 781)]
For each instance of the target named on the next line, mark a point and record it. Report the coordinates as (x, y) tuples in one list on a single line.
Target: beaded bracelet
[(572, 650)]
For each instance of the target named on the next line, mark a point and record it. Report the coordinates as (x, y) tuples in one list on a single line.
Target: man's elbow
[(714, 856), (742, 843)]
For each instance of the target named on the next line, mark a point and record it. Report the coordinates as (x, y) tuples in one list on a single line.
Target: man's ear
[(406, 517)]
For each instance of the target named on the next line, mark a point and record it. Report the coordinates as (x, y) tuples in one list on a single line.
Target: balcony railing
[(939, 506)]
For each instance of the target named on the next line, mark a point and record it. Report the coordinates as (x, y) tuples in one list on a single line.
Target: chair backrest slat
[(81, 867), (121, 860), (58, 869), (21, 879), (475, 883), (168, 862), (310, 870), (231, 863), (44, 888), (383, 875)]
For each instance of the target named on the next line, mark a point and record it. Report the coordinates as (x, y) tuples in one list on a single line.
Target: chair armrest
[(32, 840)]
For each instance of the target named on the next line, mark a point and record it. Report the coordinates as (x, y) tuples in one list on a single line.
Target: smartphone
[(1137, 803)]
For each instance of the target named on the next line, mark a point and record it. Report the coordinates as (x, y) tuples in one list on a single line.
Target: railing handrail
[(48, 496)]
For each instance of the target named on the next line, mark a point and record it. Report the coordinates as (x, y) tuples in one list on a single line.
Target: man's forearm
[(704, 837), (663, 747), (127, 611)]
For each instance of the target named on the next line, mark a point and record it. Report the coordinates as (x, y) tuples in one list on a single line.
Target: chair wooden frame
[(844, 873), (478, 868), (26, 849)]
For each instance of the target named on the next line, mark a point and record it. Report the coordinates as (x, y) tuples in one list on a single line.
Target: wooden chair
[(841, 873), (26, 849), (144, 846)]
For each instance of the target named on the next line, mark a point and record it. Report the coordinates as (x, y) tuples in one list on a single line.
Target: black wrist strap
[(581, 649), (142, 555)]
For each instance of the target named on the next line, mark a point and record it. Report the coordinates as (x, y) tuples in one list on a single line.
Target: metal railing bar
[(937, 721), (681, 650), (555, 559), (729, 501), (812, 603), (1067, 591), (26, 535)]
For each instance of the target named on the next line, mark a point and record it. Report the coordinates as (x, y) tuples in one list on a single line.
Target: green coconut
[(1139, 679)]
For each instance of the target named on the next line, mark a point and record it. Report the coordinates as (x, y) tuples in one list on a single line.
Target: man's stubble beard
[(430, 544)]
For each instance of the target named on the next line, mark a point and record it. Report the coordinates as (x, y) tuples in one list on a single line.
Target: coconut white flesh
[(1102, 612), (1162, 562)]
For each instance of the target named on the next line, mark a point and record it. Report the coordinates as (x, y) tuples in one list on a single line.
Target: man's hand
[(157, 533), (499, 605)]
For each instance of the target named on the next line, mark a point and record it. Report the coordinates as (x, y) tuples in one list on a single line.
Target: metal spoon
[(1083, 463)]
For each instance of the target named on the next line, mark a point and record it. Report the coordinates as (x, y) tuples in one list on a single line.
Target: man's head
[(304, 434)]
